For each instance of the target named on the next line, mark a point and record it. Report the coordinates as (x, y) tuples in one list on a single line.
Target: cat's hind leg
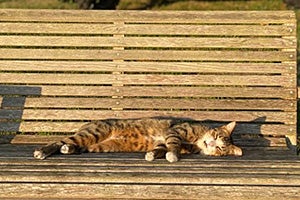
[(66, 146), (45, 151), (159, 151)]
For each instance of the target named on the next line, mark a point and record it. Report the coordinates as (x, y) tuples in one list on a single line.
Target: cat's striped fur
[(158, 137)]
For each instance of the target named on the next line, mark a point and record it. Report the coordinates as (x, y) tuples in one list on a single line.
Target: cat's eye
[(215, 135)]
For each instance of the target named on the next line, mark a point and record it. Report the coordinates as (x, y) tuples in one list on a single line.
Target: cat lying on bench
[(158, 137)]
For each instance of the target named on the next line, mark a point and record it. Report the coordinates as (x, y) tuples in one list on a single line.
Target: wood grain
[(147, 55), (58, 114), (147, 42), (147, 67), (146, 29), (247, 17), (143, 103), (149, 91), (146, 79)]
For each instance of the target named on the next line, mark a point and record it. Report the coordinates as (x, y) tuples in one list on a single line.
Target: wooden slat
[(149, 79), (142, 103), (135, 164), (147, 29), (126, 176), (57, 191), (268, 17), (55, 114), (147, 91), (98, 66), (147, 42), (146, 55)]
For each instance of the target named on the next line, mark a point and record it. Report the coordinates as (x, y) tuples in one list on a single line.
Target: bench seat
[(257, 175)]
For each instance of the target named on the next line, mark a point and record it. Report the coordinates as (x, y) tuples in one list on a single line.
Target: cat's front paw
[(150, 156), (171, 157)]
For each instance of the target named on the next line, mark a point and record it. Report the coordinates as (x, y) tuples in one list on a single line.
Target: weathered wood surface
[(128, 176)]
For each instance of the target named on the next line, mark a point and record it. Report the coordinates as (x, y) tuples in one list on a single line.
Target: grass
[(37, 4)]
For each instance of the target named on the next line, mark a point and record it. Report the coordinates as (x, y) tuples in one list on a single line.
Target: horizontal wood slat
[(150, 103), (149, 91), (146, 55), (171, 67), (146, 42), (133, 191), (258, 17), (147, 29), (146, 79), (57, 114)]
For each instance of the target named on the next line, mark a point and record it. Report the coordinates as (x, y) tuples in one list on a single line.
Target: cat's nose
[(211, 143)]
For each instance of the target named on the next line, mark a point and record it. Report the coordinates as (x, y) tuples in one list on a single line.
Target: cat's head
[(217, 142)]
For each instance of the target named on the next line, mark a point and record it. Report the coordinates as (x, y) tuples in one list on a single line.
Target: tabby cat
[(158, 137)]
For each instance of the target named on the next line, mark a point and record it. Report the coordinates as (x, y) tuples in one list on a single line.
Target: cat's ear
[(229, 127), (235, 151)]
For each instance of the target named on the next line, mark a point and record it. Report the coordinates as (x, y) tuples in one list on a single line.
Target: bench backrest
[(59, 69)]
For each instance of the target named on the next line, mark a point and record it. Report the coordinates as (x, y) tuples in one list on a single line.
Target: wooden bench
[(60, 69)]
